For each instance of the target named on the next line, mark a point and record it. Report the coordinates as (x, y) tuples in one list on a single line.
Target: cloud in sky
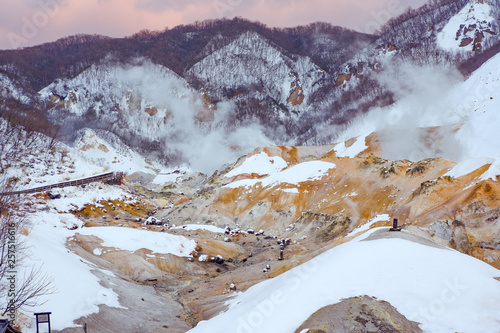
[(31, 22)]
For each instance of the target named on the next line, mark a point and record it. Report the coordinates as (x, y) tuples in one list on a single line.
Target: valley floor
[(197, 250)]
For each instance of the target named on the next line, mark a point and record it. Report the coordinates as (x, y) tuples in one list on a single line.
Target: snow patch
[(367, 225), (261, 164), (465, 167), (166, 178), (290, 190), (194, 227), (294, 175), (357, 147), (492, 172), (134, 239)]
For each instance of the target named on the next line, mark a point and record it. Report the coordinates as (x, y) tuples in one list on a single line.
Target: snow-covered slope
[(478, 134), (69, 274), (260, 164), (463, 112), (31, 159), (472, 28), (293, 175), (251, 64), (112, 154), (461, 296), (143, 97), (8, 89), (77, 291)]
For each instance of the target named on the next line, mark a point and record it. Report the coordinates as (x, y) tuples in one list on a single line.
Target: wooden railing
[(106, 177)]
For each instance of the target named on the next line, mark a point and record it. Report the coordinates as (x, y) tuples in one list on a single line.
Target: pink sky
[(31, 22)]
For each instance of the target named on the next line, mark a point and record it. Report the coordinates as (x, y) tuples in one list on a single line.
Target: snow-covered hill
[(107, 151), (30, 159), (405, 270), (464, 112)]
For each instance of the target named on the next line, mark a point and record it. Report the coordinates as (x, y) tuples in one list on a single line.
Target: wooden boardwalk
[(106, 177)]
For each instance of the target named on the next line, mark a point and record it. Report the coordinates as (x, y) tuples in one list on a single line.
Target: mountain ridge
[(331, 79)]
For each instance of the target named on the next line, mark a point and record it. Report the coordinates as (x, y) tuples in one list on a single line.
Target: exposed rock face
[(342, 78), (324, 226), (358, 314), (297, 96), (460, 239)]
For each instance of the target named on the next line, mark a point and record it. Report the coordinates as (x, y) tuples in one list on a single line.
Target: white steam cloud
[(423, 121), (188, 127)]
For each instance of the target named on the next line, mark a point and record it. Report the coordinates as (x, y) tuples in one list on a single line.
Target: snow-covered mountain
[(252, 67), (151, 109), (139, 97), (293, 86)]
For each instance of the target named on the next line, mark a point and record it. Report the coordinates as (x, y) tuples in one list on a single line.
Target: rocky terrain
[(240, 230)]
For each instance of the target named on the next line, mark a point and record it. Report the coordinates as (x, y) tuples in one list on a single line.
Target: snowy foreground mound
[(442, 289)]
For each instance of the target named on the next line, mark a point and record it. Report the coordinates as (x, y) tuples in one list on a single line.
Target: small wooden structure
[(395, 226), (41, 318), (5, 327)]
